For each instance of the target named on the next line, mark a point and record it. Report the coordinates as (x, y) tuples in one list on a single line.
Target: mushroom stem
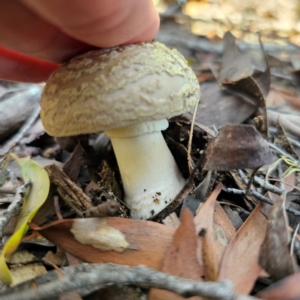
[(151, 178)]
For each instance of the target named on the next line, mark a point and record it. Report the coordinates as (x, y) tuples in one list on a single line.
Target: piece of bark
[(68, 190), (105, 209), (108, 180)]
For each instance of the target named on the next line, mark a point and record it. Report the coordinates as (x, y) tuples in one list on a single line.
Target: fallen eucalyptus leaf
[(181, 257), (33, 200), (239, 76), (111, 239), (237, 147), (274, 255)]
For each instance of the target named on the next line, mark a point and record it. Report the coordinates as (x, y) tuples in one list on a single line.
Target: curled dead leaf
[(274, 254)]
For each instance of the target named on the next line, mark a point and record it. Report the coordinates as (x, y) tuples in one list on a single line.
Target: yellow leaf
[(33, 200)]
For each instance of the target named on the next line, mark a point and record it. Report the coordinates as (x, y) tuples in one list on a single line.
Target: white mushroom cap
[(117, 87)]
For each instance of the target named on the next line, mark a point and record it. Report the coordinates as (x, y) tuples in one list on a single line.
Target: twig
[(7, 199), (18, 136), (264, 184), (189, 155), (280, 175), (294, 239), (267, 186), (251, 178), (261, 198), (14, 208), (57, 208), (261, 183), (215, 129), (8, 190), (285, 183), (282, 152), (92, 277), (207, 129), (294, 142)]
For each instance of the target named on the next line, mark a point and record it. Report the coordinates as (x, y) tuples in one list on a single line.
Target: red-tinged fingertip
[(15, 66)]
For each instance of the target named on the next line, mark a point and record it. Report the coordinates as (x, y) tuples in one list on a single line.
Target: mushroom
[(128, 92)]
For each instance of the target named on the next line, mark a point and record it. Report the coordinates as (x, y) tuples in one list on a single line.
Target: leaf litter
[(236, 137)]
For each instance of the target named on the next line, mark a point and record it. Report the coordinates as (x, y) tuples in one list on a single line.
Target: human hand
[(49, 32)]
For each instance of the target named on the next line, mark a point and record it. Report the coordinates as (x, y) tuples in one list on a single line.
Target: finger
[(19, 67), (102, 23), (24, 31)]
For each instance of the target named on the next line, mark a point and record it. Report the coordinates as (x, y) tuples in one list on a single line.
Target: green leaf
[(33, 200)]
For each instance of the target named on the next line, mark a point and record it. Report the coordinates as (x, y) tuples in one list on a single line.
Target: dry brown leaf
[(240, 260), (252, 84), (221, 220), (237, 147), (181, 258), (220, 107), (274, 255), (235, 64), (291, 131), (282, 139), (73, 165), (123, 241), (287, 289), (209, 250)]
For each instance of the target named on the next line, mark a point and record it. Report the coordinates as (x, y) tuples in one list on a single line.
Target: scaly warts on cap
[(127, 92)]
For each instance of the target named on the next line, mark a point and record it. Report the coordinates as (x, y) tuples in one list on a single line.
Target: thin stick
[(288, 184), (251, 179), (14, 208), (261, 183), (18, 136), (282, 152), (90, 277), (8, 190), (294, 239), (189, 156), (57, 208), (261, 198)]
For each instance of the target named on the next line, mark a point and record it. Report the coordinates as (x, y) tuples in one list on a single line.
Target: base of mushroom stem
[(148, 206)]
